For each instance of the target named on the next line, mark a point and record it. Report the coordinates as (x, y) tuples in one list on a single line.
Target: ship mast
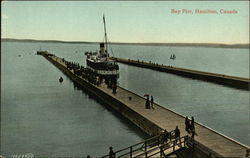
[(106, 42)]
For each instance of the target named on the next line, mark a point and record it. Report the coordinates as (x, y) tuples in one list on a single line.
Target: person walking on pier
[(152, 102), (147, 104), (177, 135), (192, 127), (161, 138), (187, 124), (114, 88), (247, 153), (166, 135), (111, 152)]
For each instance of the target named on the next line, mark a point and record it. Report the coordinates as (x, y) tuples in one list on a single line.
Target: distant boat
[(19, 55), (172, 56)]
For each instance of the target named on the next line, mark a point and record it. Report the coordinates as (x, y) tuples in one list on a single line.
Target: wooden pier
[(231, 81), (152, 121)]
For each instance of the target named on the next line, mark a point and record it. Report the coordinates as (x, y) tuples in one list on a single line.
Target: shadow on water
[(131, 126)]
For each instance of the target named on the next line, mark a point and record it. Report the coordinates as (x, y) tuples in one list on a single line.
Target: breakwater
[(231, 81)]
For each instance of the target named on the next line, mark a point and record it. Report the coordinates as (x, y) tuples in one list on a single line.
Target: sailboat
[(172, 56), (99, 62)]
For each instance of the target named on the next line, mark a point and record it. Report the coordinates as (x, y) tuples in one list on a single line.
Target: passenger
[(98, 81), (111, 152), (152, 102), (177, 135), (166, 135), (187, 124), (161, 137), (108, 83), (192, 123), (114, 87), (147, 104), (247, 153), (192, 134), (192, 127)]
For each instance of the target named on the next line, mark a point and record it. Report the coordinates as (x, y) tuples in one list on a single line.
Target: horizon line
[(156, 43)]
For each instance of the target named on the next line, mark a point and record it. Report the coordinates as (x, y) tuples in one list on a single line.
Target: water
[(227, 61), (46, 118)]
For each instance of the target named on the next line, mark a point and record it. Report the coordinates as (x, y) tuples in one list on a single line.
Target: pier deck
[(168, 119), (164, 118)]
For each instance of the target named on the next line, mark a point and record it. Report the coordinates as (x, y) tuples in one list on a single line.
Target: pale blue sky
[(131, 21)]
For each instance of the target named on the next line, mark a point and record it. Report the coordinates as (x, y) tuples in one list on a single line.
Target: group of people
[(149, 103), (72, 65), (87, 74), (189, 126), (165, 135)]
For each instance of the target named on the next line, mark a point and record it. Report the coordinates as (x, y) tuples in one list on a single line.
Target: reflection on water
[(48, 118)]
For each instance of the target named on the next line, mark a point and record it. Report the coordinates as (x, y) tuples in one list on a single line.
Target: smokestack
[(102, 48)]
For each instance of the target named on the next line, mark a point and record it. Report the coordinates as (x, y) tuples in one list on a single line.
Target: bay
[(46, 118)]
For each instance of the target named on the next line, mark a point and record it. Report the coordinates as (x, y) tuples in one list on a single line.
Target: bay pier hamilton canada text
[(199, 11)]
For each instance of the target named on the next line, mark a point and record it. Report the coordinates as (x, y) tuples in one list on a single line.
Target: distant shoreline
[(214, 45)]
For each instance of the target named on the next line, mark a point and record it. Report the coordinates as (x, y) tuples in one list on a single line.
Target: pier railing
[(159, 150), (151, 147)]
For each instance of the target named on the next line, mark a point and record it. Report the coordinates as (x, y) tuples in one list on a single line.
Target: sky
[(126, 21)]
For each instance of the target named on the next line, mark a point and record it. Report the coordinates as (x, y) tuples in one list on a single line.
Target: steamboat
[(99, 62)]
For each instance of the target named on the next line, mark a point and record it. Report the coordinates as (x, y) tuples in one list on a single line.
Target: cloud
[(4, 16)]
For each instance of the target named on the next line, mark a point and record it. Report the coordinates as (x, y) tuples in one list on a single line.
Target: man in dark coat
[(177, 135), (111, 152)]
